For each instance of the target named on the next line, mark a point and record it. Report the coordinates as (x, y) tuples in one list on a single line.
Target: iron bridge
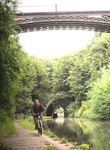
[(84, 20)]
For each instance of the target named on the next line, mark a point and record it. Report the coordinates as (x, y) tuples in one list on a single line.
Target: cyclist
[(37, 109)]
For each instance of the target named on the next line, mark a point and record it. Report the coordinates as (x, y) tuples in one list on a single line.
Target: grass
[(26, 124), (63, 140), (51, 148), (55, 137), (47, 143), (9, 128), (85, 146), (50, 134), (6, 129)]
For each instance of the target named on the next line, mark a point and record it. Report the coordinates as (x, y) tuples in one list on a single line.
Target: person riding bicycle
[(38, 109)]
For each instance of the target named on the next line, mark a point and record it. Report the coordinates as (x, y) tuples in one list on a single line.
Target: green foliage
[(72, 108), (42, 83), (85, 146), (51, 148), (3, 116), (78, 78), (72, 76), (25, 84), (99, 96), (61, 89), (82, 109), (6, 124), (26, 124), (9, 57), (61, 73), (33, 83), (7, 22), (87, 67)]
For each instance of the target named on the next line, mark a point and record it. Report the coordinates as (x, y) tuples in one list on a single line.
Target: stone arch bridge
[(86, 20), (61, 102)]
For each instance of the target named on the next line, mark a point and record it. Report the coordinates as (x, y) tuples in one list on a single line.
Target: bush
[(72, 108), (83, 108), (99, 97), (6, 124), (85, 146), (3, 116)]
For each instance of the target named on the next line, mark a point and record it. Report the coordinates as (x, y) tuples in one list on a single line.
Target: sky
[(57, 43), (54, 43), (64, 5)]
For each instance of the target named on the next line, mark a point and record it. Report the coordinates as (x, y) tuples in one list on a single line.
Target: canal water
[(82, 131)]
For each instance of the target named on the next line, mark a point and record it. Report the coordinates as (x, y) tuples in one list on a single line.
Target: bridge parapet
[(91, 20)]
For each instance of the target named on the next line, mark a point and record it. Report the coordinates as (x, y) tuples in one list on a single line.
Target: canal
[(82, 131)]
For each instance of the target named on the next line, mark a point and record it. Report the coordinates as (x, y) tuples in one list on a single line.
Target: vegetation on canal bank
[(98, 104), (89, 80), (85, 146)]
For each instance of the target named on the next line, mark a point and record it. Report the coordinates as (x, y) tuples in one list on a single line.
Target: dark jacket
[(38, 110)]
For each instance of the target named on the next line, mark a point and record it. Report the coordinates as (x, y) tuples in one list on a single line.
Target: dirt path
[(29, 140)]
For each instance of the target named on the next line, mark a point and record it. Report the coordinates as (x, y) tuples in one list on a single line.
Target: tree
[(9, 57), (99, 97)]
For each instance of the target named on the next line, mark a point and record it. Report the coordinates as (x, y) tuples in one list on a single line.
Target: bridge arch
[(62, 102), (90, 20)]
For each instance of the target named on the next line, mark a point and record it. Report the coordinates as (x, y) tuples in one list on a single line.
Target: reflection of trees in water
[(68, 129), (99, 133), (100, 137), (75, 128), (96, 133)]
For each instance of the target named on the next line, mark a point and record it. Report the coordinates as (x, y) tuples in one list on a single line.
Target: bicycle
[(38, 122)]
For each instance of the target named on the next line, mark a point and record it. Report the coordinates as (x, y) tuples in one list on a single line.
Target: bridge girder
[(85, 20)]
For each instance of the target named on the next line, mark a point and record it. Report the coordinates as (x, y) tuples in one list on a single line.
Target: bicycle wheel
[(39, 127), (40, 131)]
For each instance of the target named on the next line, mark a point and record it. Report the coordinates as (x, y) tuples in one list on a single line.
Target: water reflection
[(59, 121), (95, 133)]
